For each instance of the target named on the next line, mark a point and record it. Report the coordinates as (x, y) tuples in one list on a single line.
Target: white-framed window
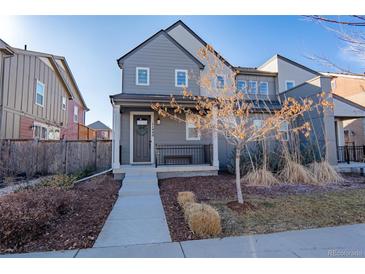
[(142, 76), (264, 88), (40, 131), (39, 93), (64, 103), (252, 87), (258, 123), (220, 81), (241, 86), (289, 84), (76, 114), (53, 133), (181, 78), (192, 133), (284, 131)]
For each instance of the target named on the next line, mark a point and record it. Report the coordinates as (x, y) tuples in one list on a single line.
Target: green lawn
[(289, 212)]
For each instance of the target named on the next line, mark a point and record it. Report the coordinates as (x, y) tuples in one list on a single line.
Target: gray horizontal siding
[(271, 82), (162, 57), (168, 132)]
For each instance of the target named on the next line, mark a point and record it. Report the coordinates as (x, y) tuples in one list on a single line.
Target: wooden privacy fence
[(85, 133), (34, 157)]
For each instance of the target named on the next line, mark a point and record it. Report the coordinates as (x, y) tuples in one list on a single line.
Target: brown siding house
[(38, 94), (351, 87), (103, 132)]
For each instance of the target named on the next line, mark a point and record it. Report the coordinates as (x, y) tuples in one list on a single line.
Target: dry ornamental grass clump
[(260, 177), (325, 173), (295, 173), (203, 219), (185, 197)]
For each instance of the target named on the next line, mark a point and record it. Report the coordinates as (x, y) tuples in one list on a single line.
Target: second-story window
[(264, 88), (181, 78), (142, 76), (39, 97), (63, 103), (289, 84), (220, 82), (76, 114), (252, 87), (258, 123), (241, 86)]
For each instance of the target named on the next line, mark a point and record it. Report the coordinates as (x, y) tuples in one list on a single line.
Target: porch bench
[(172, 159)]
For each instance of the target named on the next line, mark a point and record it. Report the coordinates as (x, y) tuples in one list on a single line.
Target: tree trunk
[(238, 176)]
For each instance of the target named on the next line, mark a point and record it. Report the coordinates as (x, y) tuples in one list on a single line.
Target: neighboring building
[(39, 97), (103, 132), (351, 131), (161, 65)]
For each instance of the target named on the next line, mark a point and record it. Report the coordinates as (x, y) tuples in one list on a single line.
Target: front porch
[(144, 141), (349, 132)]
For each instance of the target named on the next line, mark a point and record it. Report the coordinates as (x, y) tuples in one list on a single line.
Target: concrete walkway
[(343, 241), (138, 216)]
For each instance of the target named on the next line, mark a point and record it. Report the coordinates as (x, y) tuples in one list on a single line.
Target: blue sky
[(91, 44)]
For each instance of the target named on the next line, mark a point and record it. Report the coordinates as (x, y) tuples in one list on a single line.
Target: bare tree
[(349, 30), (230, 112)]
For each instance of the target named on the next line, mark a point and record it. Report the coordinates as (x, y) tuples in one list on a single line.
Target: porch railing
[(347, 154), (183, 155)]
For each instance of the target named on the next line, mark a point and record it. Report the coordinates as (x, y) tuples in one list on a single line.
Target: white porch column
[(116, 137), (215, 140), (340, 133)]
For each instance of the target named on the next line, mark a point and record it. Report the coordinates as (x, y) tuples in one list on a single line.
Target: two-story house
[(166, 62), (39, 97)]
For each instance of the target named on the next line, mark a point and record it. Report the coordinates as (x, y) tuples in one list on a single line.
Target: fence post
[(347, 155), (96, 154), (66, 152), (354, 152)]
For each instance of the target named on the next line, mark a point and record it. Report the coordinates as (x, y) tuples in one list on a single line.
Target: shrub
[(60, 181), (185, 197), (25, 215), (203, 219), (260, 177), (88, 171), (325, 173), (296, 173), (254, 155)]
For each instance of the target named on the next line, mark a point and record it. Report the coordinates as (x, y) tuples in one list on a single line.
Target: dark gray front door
[(141, 138)]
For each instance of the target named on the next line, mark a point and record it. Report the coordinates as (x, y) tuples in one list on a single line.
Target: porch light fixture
[(158, 120)]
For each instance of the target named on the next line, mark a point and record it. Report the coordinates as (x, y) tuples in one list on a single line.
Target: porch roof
[(129, 99), (344, 108)]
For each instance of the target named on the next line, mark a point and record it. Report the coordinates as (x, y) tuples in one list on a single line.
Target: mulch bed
[(222, 188), (91, 201)]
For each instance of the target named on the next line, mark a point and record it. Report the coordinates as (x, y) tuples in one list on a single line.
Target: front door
[(141, 138)]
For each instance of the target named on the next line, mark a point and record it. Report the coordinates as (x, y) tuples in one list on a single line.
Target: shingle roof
[(99, 126)]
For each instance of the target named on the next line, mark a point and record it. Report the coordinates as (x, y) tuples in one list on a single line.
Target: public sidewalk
[(343, 241)]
